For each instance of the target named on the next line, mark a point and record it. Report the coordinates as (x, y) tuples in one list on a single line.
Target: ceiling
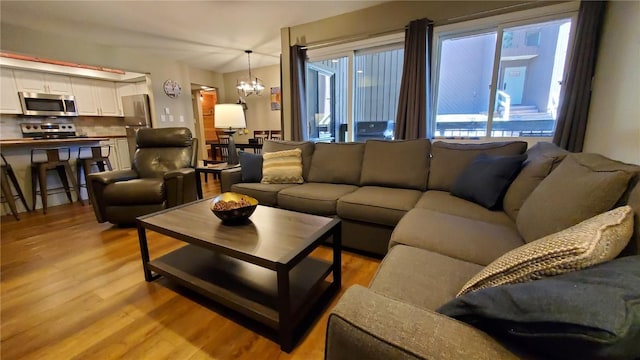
[(205, 34)]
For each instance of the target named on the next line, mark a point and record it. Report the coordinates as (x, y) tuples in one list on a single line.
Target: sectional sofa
[(395, 200)]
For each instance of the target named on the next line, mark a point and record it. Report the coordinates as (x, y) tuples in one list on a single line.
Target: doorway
[(204, 100), (513, 83)]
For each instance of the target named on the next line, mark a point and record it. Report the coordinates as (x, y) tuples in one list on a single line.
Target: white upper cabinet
[(95, 97), (39, 82), (85, 100), (9, 99), (126, 89)]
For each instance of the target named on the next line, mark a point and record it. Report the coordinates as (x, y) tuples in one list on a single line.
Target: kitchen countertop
[(47, 142)]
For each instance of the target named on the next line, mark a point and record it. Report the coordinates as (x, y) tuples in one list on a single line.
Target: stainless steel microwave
[(48, 104)]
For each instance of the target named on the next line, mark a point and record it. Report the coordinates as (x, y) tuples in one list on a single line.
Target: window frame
[(350, 50), (497, 24)]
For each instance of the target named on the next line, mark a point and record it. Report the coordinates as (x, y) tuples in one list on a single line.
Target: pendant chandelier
[(250, 85)]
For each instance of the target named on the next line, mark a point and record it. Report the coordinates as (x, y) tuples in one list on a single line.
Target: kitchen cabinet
[(39, 82), (95, 97), (9, 99), (126, 89), (122, 150)]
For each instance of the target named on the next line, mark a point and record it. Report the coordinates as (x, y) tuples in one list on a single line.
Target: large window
[(503, 81), (352, 93)]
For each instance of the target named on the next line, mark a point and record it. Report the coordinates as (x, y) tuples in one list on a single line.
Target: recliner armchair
[(162, 175)]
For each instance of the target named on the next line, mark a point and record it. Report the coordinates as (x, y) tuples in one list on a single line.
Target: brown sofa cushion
[(306, 147), (135, 192), (438, 280), (266, 194), (582, 186), (378, 205), (541, 159), (400, 164), (444, 202), (460, 238), (448, 160), (314, 198), (337, 163), (593, 241)]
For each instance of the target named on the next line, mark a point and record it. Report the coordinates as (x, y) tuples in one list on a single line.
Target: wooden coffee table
[(261, 269)]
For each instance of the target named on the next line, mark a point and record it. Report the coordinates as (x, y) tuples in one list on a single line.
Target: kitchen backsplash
[(85, 125)]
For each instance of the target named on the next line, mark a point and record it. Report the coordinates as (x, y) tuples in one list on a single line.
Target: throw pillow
[(250, 167), (282, 167), (591, 242), (486, 179), (576, 190), (588, 314)]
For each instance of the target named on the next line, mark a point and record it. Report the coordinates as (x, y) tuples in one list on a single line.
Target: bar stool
[(53, 161), (8, 196), (88, 156)]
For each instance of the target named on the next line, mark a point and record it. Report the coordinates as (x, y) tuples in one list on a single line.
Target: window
[(354, 86), (500, 81)]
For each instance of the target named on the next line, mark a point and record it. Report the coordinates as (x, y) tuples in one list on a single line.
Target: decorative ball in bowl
[(233, 208)]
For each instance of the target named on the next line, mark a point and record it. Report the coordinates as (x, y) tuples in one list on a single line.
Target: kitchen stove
[(39, 131)]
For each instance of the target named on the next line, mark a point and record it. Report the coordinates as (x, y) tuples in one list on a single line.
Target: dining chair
[(260, 136), (276, 135)]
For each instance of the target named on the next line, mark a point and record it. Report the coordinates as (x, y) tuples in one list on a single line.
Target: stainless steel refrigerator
[(136, 116)]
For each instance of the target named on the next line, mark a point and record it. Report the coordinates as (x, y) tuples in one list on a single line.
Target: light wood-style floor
[(72, 288)]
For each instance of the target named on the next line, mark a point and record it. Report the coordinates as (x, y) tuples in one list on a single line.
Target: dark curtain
[(298, 97), (411, 121), (574, 108)]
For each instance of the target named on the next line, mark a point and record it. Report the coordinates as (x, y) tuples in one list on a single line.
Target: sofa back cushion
[(399, 164), (582, 186), (541, 159), (337, 163), (448, 160), (163, 149), (306, 147), (633, 248)]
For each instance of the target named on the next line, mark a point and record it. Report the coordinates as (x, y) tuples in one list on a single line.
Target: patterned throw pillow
[(282, 167), (588, 243)]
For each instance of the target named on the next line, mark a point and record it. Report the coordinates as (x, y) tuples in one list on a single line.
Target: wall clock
[(172, 88)]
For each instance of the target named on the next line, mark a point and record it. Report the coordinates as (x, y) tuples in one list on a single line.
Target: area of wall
[(259, 114), (31, 42), (614, 117)]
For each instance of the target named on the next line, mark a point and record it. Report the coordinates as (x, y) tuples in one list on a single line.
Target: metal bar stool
[(88, 156), (8, 177), (53, 161)]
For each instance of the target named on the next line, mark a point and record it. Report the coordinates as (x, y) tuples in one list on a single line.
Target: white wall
[(613, 128), (259, 114)]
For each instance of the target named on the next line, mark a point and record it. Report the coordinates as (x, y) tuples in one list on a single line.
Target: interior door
[(513, 83)]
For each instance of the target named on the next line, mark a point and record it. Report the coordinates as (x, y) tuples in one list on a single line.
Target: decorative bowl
[(229, 212)]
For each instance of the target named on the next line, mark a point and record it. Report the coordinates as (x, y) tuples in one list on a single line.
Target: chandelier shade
[(249, 85)]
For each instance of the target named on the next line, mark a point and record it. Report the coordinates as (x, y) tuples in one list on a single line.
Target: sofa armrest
[(367, 325), (109, 177), (180, 185), (229, 177), (97, 182)]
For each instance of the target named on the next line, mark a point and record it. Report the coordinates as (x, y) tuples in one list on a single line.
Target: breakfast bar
[(18, 154)]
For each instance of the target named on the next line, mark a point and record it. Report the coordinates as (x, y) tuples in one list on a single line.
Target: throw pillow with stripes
[(282, 167)]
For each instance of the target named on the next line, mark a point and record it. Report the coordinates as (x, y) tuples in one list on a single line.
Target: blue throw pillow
[(486, 179), (592, 313), (250, 167)]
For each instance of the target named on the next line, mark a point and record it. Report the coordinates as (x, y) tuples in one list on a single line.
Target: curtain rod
[(338, 41)]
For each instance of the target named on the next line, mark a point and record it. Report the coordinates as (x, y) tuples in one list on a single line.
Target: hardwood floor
[(72, 288)]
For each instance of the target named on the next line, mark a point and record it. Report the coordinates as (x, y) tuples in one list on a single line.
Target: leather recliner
[(162, 175)]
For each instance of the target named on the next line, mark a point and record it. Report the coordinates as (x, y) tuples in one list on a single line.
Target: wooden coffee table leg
[(144, 253), (199, 183), (285, 330)]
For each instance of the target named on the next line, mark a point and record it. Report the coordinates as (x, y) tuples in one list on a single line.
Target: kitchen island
[(18, 154)]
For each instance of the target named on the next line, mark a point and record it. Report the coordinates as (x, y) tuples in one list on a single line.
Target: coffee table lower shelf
[(249, 289)]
